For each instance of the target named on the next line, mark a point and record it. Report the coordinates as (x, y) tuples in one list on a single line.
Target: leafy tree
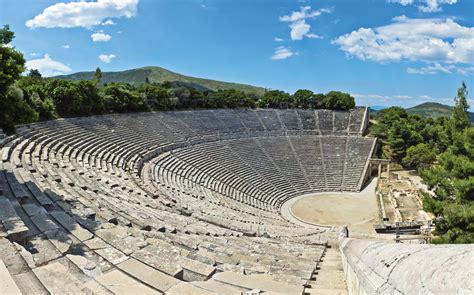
[(92, 102), (97, 76), (13, 108), (229, 98), (452, 179), (275, 99), (34, 73), (123, 97), (6, 36), (460, 115), (336, 100), (392, 114), (456, 225), (12, 62), (317, 101), (385, 119), (33, 87), (66, 97), (156, 96), (303, 98), (419, 156), (400, 131)]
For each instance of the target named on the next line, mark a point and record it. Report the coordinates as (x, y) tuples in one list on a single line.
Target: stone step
[(7, 284), (326, 291), (150, 276), (329, 267), (29, 283), (331, 257), (250, 282), (330, 273), (331, 263), (217, 287), (185, 288), (12, 223), (58, 279), (120, 283), (327, 285)]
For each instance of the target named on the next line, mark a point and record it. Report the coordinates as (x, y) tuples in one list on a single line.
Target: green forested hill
[(433, 109), (159, 75)]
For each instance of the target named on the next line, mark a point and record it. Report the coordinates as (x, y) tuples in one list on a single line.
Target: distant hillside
[(159, 75), (434, 110)]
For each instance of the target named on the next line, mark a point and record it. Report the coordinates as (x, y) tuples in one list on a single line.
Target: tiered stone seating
[(168, 202), (356, 122), (266, 171), (290, 119), (325, 121), (270, 120)]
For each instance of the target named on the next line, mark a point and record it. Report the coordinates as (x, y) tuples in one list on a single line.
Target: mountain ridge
[(434, 109), (157, 74), (427, 109)]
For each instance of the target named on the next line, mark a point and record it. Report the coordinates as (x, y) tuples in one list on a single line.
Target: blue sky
[(384, 52)]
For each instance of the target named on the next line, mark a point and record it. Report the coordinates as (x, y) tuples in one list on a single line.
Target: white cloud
[(34, 54), (47, 66), (426, 5), (313, 36), (276, 39), (439, 68), (299, 29), (107, 57), (282, 52), (297, 19), (431, 69), (108, 22), (304, 13), (402, 96), (66, 46), (436, 42), (425, 97), (402, 2), (82, 13), (434, 5), (100, 37)]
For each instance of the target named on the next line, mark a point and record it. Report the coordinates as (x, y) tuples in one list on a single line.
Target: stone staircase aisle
[(329, 277)]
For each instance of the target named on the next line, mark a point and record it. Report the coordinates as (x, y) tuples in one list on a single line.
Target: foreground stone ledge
[(380, 267)]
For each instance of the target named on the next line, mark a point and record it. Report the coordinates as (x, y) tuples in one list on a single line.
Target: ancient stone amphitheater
[(185, 202)]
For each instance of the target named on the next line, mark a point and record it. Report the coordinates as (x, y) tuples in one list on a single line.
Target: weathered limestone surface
[(380, 267), (58, 280), (184, 288), (256, 282), (148, 275), (120, 283), (7, 284), (217, 287)]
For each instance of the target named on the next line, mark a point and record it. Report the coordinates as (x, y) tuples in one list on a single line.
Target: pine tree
[(460, 116), (97, 76)]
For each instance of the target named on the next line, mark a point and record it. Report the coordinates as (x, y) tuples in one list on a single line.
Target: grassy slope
[(159, 75)]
